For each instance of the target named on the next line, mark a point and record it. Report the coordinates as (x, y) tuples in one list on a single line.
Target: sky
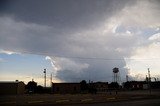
[(79, 39)]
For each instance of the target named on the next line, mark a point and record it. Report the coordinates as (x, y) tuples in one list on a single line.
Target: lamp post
[(44, 77)]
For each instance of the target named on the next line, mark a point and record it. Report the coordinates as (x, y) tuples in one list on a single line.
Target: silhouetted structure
[(113, 86), (101, 86), (44, 77), (84, 86), (135, 85), (63, 88), (39, 89), (12, 88), (155, 85), (31, 87), (92, 88), (116, 76)]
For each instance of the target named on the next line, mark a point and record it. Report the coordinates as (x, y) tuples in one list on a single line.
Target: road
[(141, 102), (147, 102), (132, 98)]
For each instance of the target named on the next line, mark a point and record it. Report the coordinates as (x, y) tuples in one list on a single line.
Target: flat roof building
[(64, 88), (12, 88)]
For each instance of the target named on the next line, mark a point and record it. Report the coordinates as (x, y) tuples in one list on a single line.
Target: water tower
[(116, 75)]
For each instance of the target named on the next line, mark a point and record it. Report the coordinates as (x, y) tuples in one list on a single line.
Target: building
[(155, 85), (12, 88), (101, 86), (135, 85), (63, 88)]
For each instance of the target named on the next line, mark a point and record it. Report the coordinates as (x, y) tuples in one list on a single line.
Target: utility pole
[(51, 79), (51, 84), (149, 76), (149, 81), (44, 77)]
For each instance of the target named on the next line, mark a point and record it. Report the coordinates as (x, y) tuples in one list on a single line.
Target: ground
[(59, 99)]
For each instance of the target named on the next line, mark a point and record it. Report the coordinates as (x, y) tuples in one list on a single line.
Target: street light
[(44, 77)]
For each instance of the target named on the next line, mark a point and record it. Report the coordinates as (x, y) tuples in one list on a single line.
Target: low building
[(135, 85), (66, 88), (12, 88), (101, 86), (63, 88)]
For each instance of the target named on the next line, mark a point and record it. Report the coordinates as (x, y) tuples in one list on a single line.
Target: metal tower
[(116, 77)]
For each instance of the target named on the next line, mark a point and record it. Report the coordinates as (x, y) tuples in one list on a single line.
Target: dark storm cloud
[(65, 18), (63, 14)]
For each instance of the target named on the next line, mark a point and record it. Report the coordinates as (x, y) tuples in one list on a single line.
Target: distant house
[(63, 88), (12, 88)]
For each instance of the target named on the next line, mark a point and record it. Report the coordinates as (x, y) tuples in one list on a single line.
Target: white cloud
[(8, 52), (62, 64), (128, 32), (144, 14), (65, 64), (145, 57), (157, 29), (55, 66), (155, 37)]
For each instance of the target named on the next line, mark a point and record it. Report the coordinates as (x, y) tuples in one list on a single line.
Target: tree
[(31, 86), (114, 85), (84, 86)]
